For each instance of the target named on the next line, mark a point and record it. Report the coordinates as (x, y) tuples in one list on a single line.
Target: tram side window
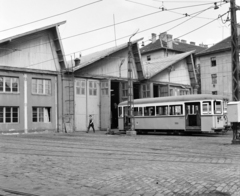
[(217, 107), (162, 110), (149, 111), (175, 110), (206, 107), (120, 112), (137, 111)]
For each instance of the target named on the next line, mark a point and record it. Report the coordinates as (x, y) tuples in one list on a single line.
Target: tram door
[(193, 116), (126, 119)]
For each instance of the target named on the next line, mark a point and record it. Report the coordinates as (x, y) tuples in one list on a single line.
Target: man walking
[(90, 124)]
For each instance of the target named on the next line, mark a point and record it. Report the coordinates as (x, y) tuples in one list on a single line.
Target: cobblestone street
[(99, 164)]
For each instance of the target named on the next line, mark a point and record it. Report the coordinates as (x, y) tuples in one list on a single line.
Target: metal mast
[(235, 66), (131, 130), (234, 51)]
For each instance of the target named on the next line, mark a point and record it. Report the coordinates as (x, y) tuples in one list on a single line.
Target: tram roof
[(193, 97)]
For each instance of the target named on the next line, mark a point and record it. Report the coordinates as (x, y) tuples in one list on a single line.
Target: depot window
[(9, 114), (9, 84), (41, 86), (41, 114)]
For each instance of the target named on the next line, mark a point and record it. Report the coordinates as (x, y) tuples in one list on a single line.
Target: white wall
[(223, 69), (34, 51), (179, 74)]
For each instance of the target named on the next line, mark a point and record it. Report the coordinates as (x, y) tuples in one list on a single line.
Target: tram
[(198, 113)]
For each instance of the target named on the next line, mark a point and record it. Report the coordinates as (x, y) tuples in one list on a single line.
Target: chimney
[(192, 43), (169, 41), (177, 40), (201, 45), (77, 61), (205, 46), (154, 37), (163, 38), (183, 41)]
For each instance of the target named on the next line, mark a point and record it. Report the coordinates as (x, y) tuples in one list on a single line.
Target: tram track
[(111, 154), (108, 149)]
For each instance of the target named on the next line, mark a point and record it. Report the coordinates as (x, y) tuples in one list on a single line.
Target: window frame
[(213, 61), (214, 79), (124, 91), (104, 88), (38, 114), (80, 87), (4, 116), (163, 108), (209, 107), (149, 57), (92, 88), (41, 86), (146, 90), (10, 86)]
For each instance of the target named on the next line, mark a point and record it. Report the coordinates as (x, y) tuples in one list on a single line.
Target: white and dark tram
[(196, 113)]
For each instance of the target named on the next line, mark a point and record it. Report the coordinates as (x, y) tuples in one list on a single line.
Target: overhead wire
[(118, 39), (111, 26), (50, 16), (194, 15), (103, 28)]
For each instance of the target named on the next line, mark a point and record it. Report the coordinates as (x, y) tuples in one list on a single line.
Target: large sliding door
[(105, 109)]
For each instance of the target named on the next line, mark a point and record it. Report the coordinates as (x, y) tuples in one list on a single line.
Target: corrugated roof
[(177, 46), (91, 58), (220, 46), (31, 32), (151, 68)]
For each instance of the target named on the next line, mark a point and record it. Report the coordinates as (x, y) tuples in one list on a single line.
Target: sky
[(146, 16)]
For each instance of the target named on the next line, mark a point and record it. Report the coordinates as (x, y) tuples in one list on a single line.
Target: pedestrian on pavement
[(91, 124)]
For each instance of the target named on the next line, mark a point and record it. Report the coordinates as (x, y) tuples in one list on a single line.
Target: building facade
[(30, 81), (216, 68)]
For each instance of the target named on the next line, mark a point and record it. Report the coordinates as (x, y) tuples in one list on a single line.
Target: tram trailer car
[(198, 113)]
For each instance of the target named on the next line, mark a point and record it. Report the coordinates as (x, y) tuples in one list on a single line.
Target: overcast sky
[(102, 13)]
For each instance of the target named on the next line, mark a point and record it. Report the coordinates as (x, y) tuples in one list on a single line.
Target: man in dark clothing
[(90, 124)]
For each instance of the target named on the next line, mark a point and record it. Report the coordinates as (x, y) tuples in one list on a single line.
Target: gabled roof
[(31, 32), (177, 46), (221, 46), (91, 58), (154, 67)]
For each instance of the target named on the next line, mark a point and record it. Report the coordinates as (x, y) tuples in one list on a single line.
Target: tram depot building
[(41, 91)]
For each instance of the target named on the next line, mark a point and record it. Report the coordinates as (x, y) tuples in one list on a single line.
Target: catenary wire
[(125, 37), (98, 29), (50, 16)]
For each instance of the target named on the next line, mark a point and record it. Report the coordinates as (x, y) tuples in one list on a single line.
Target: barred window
[(9, 84)]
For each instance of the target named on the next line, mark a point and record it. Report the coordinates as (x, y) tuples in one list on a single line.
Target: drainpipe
[(62, 76)]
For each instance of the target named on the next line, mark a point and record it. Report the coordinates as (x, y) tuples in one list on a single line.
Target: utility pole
[(131, 131), (235, 66)]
